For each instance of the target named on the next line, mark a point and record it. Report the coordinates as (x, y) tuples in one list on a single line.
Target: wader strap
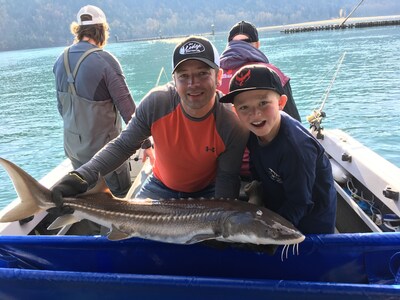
[(71, 76)]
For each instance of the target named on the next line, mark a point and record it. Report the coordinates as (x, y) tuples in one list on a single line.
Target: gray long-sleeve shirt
[(99, 78)]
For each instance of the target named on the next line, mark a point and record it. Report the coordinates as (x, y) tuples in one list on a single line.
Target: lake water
[(364, 100)]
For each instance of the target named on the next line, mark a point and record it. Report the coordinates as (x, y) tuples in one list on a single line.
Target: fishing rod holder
[(388, 192), (315, 120)]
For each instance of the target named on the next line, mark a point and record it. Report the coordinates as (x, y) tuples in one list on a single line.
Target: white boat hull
[(374, 176)]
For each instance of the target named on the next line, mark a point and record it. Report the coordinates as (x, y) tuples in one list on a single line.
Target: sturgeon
[(179, 221)]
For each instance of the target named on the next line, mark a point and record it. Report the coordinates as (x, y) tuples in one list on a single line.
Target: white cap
[(98, 16)]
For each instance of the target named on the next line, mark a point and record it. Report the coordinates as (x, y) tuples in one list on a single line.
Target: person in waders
[(93, 95)]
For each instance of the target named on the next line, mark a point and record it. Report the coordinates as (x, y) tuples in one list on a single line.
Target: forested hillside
[(45, 23)]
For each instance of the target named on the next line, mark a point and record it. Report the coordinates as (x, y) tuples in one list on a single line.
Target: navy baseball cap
[(252, 77), (245, 28), (198, 48)]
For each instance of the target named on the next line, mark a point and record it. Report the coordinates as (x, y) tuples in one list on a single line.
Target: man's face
[(196, 84)]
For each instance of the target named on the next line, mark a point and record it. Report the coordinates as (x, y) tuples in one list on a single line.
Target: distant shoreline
[(331, 22), (337, 21)]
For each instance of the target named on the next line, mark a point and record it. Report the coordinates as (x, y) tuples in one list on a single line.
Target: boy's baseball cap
[(198, 48), (98, 16), (252, 77), (245, 28)]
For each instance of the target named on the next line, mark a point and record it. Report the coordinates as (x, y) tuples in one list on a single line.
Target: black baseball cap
[(245, 28), (252, 77), (198, 48)]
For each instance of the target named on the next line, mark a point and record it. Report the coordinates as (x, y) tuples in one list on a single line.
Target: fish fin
[(115, 234), (254, 191), (33, 197), (100, 187), (18, 211), (200, 238), (63, 221)]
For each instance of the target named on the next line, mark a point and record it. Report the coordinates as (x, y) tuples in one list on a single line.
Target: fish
[(178, 221)]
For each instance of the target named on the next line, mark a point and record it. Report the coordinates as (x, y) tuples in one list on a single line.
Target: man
[(89, 97), (243, 48), (198, 141)]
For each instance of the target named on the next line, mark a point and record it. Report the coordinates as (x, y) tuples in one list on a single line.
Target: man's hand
[(149, 153), (70, 185)]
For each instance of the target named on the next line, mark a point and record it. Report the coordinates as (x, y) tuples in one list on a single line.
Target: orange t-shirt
[(196, 147)]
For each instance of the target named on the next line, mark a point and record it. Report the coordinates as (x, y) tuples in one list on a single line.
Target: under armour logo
[(274, 176), (242, 77), (212, 149)]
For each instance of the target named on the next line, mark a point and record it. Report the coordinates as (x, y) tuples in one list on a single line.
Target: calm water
[(364, 100)]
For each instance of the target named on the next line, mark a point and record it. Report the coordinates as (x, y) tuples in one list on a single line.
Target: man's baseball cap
[(96, 14), (198, 48), (245, 28), (252, 77)]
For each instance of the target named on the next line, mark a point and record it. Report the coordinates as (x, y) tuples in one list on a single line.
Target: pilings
[(344, 26)]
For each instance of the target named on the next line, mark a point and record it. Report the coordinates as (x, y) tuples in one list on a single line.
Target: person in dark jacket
[(244, 48)]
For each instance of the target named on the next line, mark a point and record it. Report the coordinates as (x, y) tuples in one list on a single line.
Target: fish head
[(260, 226)]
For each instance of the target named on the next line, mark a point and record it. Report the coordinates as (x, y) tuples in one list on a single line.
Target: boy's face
[(259, 110)]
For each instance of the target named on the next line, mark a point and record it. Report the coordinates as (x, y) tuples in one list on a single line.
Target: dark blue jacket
[(296, 176)]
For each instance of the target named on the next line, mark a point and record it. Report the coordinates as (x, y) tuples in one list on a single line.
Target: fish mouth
[(254, 239), (297, 240), (283, 241)]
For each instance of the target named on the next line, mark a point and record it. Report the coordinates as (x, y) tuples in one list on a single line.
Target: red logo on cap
[(242, 77)]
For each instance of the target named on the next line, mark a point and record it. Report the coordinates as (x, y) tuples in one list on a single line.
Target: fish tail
[(33, 197)]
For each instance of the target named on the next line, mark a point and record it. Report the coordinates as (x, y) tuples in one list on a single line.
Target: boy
[(295, 172)]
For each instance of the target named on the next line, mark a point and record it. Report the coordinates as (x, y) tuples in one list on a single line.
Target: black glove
[(70, 185)]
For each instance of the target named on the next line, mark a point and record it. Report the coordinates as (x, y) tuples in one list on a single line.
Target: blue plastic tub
[(342, 266)]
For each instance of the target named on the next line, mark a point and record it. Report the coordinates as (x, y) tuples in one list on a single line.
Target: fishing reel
[(315, 120)]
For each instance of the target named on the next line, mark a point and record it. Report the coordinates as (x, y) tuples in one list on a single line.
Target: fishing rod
[(162, 71), (341, 25), (328, 90), (139, 153), (315, 119)]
